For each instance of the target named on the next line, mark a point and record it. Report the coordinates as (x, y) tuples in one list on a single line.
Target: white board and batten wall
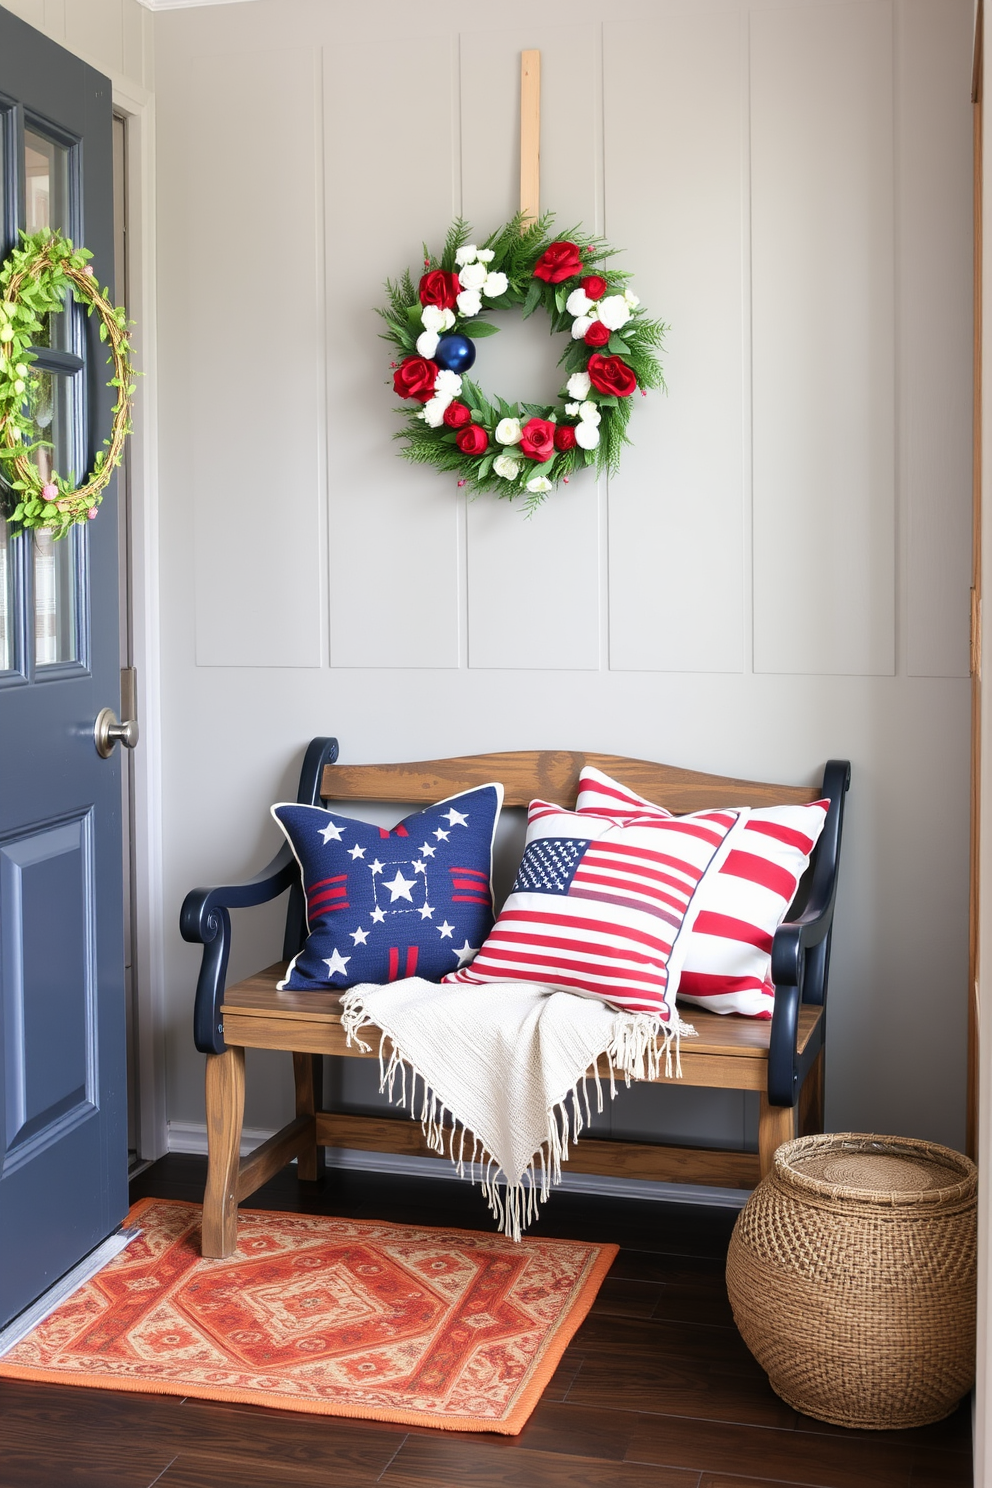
[(778, 574)]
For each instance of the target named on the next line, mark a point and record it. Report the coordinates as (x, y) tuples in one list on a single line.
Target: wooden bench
[(781, 1058)]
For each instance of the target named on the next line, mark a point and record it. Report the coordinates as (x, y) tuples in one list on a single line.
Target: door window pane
[(6, 552), (46, 183), (54, 562), (48, 408), (54, 598), (6, 600), (46, 190), (46, 202)]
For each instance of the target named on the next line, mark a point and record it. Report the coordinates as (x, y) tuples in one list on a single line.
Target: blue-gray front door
[(63, 1138)]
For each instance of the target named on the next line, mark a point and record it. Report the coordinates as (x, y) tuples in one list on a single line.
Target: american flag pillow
[(600, 909), (727, 961), (411, 900)]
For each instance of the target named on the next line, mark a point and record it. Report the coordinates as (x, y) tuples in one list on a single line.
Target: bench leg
[(308, 1073), (225, 1114), (776, 1124), (811, 1100)]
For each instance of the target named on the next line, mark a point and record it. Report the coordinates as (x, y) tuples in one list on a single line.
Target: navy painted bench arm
[(204, 918), (801, 952)]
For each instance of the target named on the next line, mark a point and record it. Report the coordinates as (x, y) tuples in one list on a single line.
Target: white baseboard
[(191, 1137)]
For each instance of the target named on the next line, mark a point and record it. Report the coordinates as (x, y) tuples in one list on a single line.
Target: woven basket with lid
[(851, 1274)]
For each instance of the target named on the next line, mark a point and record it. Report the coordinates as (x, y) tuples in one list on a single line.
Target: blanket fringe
[(638, 1049)]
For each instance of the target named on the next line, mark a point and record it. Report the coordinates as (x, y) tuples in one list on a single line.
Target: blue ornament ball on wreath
[(610, 353), (455, 353)]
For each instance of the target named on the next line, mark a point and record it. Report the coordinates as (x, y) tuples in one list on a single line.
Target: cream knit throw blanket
[(506, 1065)]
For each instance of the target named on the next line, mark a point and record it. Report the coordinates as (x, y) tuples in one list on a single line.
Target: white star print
[(426, 912), (356, 851), (419, 867), (465, 953), (427, 850), (378, 915), (446, 930), (455, 818), (331, 833), (359, 936), (336, 964), (399, 888), (442, 836), (376, 867)]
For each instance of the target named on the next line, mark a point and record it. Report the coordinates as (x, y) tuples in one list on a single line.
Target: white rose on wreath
[(614, 312), (506, 467), (508, 431), (434, 412), (469, 302), (433, 318), (473, 276)]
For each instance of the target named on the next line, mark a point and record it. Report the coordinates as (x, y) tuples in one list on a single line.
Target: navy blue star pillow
[(382, 904)]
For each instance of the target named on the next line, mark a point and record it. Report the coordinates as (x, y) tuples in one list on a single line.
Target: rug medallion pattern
[(338, 1316)]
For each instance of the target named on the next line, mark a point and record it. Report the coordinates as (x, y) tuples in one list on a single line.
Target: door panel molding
[(49, 1062)]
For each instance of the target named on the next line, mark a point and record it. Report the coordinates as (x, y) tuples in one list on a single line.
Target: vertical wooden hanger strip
[(530, 134)]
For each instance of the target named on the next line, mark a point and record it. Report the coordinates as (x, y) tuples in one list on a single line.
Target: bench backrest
[(553, 775)]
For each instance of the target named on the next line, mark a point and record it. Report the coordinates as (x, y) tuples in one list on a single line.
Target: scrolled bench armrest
[(794, 939), (799, 976), (205, 920)]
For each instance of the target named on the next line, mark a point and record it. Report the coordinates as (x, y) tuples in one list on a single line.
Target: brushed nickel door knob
[(107, 732)]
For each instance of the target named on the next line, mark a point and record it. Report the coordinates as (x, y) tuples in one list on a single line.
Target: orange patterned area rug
[(343, 1317)]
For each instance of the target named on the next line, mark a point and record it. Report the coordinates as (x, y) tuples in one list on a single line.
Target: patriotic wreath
[(33, 283), (519, 449)]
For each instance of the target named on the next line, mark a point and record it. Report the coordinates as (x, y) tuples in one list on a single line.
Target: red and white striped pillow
[(726, 965), (601, 908)]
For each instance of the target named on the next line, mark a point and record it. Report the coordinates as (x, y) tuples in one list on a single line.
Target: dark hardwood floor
[(656, 1391)]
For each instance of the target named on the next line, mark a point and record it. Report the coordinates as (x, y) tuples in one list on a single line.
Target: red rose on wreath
[(565, 437), (611, 375), (457, 415), (597, 335), (559, 261), (473, 440), (538, 442), (415, 378), (440, 289), (594, 286)]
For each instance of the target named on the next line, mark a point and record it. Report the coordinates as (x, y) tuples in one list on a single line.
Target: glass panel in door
[(50, 404), (8, 659)]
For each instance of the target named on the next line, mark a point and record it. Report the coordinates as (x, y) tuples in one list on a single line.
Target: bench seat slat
[(255, 1010)]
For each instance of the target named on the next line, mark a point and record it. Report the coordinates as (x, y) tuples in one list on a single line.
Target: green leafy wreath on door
[(34, 280)]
